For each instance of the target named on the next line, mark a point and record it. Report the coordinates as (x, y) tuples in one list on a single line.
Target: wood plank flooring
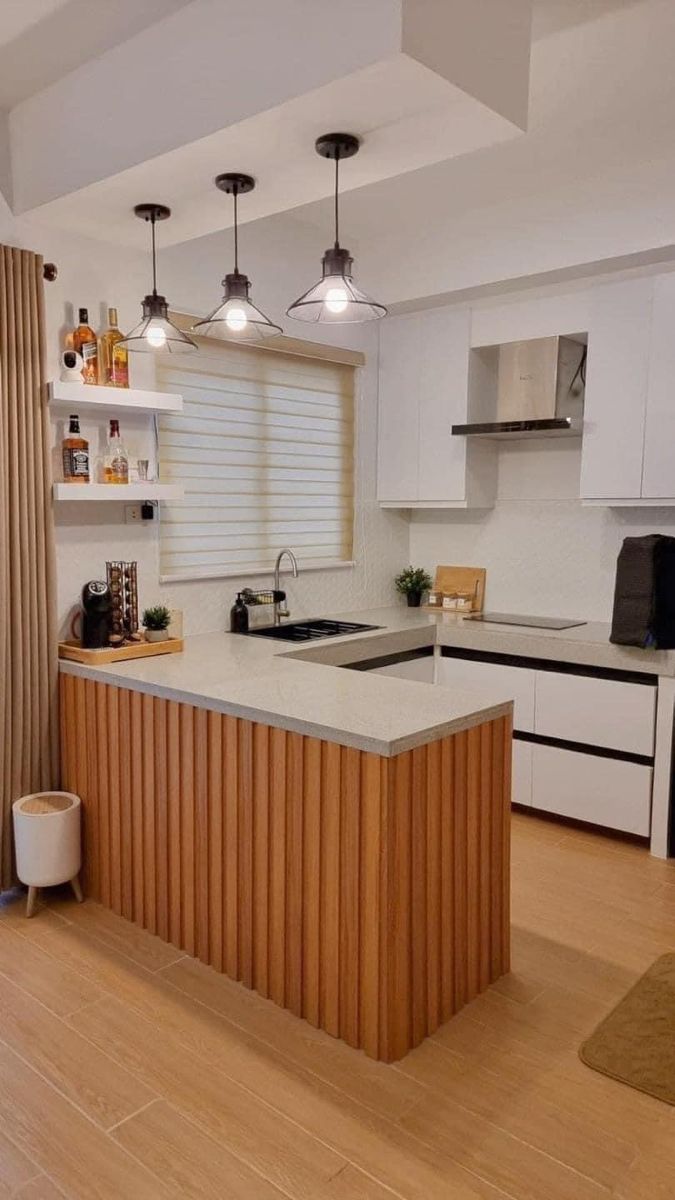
[(129, 1071)]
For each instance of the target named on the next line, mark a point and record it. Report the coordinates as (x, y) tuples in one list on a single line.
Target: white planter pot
[(156, 635), (47, 838)]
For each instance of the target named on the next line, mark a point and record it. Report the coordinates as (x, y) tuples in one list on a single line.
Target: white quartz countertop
[(305, 689)]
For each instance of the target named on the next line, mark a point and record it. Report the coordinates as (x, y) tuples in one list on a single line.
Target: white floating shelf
[(90, 395), (117, 491)]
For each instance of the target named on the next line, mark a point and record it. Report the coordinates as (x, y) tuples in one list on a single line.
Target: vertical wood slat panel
[(261, 856), (214, 793), (418, 902), (368, 895), (294, 803), (186, 826), (230, 849), (433, 881), (471, 849), (126, 830), (329, 1018), (149, 808), (311, 880), (138, 864), (103, 793), (370, 900), (244, 889), (350, 885), (201, 843), (161, 798), (175, 882), (276, 958)]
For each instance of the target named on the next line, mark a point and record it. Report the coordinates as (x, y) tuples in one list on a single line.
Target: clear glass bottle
[(116, 466), (113, 359), (84, 341)]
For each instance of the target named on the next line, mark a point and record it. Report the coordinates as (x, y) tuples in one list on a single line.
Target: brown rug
[(636, 1042)]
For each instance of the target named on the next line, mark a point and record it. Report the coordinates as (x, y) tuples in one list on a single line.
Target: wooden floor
[(130, 1072)]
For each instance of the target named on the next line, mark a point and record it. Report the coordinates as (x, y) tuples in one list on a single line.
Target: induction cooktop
[(497, 618)]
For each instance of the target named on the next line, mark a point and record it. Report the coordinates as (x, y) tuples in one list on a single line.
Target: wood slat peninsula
[(367, 892)]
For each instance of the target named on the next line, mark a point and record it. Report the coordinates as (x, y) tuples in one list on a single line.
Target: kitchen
[(296, 838)]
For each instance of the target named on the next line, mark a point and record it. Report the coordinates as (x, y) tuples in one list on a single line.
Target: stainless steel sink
[(310, 631)]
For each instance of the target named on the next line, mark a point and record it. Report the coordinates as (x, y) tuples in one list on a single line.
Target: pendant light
[(236, 316), (336, 298), (155, 333)]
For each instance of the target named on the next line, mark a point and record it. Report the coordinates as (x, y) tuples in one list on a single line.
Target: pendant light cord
[(337, 226), (154, 256), (235, 192)]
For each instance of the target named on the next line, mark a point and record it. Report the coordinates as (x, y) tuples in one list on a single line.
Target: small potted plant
[(411, 583), (156, 622)]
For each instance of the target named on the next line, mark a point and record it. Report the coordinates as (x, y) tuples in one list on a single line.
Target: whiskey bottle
[(113, 359), (75, 454), (116, 467), (84, 341)]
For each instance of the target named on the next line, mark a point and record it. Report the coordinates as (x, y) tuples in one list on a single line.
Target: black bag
[(644, 593)]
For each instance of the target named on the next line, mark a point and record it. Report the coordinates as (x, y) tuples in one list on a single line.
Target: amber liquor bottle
[(84, 341), (113, 359), (75, 454)]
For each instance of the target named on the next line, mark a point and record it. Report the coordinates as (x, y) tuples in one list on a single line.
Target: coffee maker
[(96, 615)]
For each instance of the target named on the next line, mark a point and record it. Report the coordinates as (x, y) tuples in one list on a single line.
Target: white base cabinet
[(604, 791), (521, 773)]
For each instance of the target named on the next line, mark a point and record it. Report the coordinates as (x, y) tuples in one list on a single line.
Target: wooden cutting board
[(461, 579), (73, 651)]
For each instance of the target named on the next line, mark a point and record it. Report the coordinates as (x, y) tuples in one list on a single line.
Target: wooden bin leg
[(77, 890), (31, 901)]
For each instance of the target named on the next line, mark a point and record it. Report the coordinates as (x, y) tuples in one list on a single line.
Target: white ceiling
[(43, 40)]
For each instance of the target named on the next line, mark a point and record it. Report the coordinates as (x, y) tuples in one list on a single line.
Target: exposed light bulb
[(156, 336), (336, 300), (235, 319)]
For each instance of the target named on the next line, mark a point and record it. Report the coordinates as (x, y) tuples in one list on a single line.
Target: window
[(264, 451)]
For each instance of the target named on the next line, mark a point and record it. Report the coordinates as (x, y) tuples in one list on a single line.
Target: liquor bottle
[(116, 467), (75, 454), (113, 360), (84, 341)]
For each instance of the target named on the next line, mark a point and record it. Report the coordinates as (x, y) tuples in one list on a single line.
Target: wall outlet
[(132, 514)]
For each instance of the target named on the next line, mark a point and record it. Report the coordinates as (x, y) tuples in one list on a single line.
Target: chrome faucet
[(280, 611)]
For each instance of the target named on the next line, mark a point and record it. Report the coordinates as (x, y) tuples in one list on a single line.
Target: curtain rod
[(50, 271)]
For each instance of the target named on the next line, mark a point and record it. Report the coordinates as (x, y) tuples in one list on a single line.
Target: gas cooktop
[(497, 618)]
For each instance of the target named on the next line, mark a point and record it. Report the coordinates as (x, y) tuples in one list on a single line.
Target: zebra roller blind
[(264, 450)]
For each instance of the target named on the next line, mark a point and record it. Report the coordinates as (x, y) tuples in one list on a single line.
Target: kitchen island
[(335, 840)]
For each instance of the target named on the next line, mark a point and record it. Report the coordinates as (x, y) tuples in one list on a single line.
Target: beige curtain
[(28, 663)]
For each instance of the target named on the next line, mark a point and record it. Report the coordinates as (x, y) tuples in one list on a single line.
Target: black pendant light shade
[(336, 299), (155, 333), (236, 317)]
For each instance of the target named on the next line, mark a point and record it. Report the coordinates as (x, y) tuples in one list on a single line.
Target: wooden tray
[(73, 651), (460, 579)]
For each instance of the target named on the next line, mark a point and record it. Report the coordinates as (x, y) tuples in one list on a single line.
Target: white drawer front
[(604, 791), (521, 774), (412, 668), (495, 682), (599, 712)]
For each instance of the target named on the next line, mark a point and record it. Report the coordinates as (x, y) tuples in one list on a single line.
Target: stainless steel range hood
[(540, 391)]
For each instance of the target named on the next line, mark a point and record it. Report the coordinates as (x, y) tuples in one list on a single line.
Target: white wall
[(282, 257), (545, 553)]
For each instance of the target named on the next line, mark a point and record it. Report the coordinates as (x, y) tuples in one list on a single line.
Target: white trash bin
[(47, 842)]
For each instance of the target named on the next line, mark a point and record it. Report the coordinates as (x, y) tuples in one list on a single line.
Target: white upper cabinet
[(423, 391), (658, 475), (616, 391)]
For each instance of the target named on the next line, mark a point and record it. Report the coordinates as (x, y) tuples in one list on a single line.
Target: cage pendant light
[(336, 299), (236, 317), (155, 333)]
